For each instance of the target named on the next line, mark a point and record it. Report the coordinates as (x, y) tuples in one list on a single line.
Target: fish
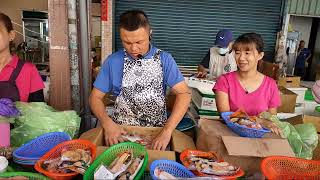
[(140, 139), (77, 160), (163, 175), (133, 169), (121, 163), (220, 169), (211, 166)]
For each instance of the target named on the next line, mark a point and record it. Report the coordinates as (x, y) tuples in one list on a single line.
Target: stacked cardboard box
[(288, 101)]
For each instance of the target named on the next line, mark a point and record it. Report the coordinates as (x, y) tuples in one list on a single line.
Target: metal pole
[(85, 64)]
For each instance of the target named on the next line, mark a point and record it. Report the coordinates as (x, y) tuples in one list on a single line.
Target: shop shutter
[(187, 28)]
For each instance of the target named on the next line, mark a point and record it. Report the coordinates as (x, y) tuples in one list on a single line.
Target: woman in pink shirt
[(247, 88), (19, 80)]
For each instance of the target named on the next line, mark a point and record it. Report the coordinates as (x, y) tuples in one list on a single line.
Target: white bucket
[(3, 164)]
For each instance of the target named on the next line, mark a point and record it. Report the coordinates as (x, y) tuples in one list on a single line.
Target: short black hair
[(247, 40), (6, 21), (134, 19)]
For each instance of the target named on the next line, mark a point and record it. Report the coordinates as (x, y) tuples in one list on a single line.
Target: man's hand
[(113, 134), (162, 140)]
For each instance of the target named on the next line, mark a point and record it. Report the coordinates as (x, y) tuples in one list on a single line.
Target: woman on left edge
[(19, 80)]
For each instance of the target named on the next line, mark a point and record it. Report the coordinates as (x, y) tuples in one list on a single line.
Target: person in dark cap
[(220, 58)]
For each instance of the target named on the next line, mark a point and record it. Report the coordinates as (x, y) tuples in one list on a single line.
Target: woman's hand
[(272, 126)]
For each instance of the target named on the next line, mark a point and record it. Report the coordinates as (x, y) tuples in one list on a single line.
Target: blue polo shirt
[(302, 56), (109, 78)]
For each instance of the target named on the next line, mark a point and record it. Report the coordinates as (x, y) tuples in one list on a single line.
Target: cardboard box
[(243, 152), (97, 42), (179, 141), (204, 99), (95, 9), (305, 119), (308, 119), (289, 81), (268, 69), (316, 152), (288, 100), (300, 91)]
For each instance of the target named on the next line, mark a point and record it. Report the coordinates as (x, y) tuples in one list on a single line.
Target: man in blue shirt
[(138, 76), (303, 57)]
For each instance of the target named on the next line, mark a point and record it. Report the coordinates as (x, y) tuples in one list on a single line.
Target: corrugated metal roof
[(304, 7)]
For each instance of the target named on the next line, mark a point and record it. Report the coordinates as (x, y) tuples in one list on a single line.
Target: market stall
[(41, 145)]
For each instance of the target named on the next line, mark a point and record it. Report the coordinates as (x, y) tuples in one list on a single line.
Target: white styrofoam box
[(46, 90), (309, 108), (301, 91), (286, 115), (307, 84), (197, 115), (299, 109), (204, 99), (194, 82)]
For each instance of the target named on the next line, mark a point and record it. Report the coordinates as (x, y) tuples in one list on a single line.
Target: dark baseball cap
[(223, 38)]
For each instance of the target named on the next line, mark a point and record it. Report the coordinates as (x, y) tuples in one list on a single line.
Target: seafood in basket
[(211, 166), (207, 163), (241, 118), (137, 138), (70, 161), (161, 174), (133, 169), (124, 167), (6, 152)]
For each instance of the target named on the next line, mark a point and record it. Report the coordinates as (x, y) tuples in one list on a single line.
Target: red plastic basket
[(56, 152), (187, 153), (281, 167)]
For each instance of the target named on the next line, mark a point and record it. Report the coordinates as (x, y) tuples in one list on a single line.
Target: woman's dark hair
[(6, 21), (246, 41), (133, 19)]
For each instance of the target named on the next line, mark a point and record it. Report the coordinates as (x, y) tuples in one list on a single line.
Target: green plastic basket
[(31, 176), (308, 96), (110, 154)]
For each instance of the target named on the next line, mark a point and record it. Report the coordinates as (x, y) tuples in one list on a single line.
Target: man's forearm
[(99, 111), (180, 107)]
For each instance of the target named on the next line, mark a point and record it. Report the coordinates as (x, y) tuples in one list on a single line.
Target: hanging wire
[(30, 37), (28, 29)]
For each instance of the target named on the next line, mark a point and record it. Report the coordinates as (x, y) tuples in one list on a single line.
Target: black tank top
[(9, 89)]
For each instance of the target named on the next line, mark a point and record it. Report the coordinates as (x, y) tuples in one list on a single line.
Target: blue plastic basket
[(243, 131), (171, 167), (30, 152)]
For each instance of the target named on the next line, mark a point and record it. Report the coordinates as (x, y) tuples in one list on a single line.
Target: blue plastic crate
[(243, 131), (171, 167), (36, 148)]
